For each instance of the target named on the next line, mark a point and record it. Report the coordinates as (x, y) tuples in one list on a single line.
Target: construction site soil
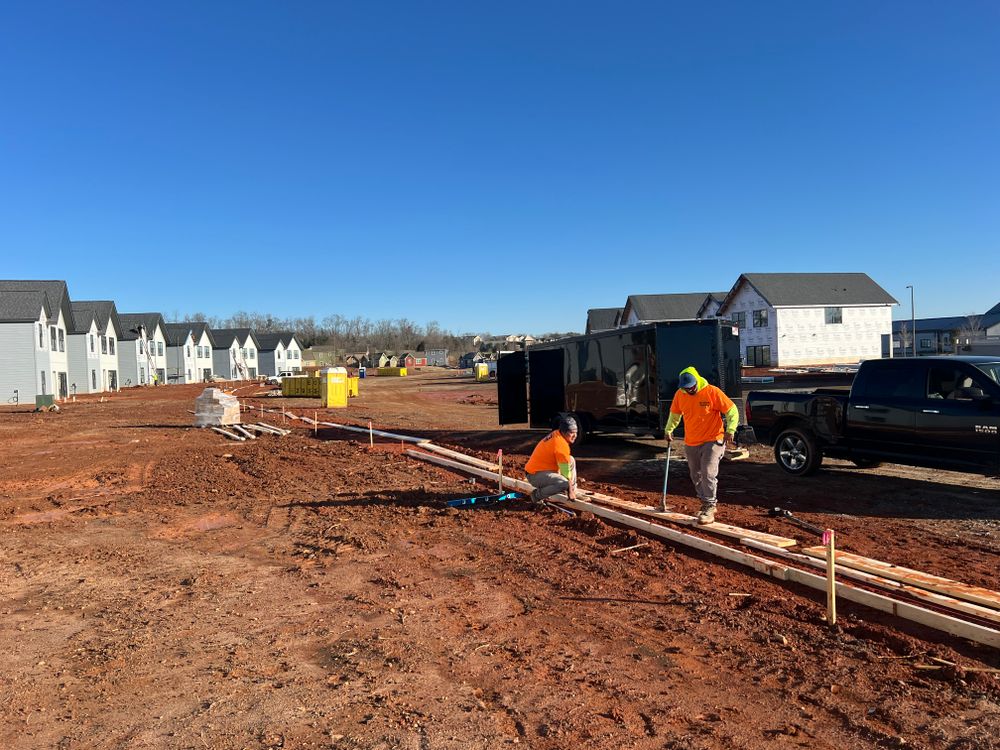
[(164, 587)]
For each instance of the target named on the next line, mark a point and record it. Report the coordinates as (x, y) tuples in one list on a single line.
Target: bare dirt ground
[(164, 588)]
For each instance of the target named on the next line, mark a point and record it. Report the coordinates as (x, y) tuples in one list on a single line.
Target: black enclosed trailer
[(619, 381)]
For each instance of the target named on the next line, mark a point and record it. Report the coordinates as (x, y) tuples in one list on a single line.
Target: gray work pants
[(703, 463), (550, 483)]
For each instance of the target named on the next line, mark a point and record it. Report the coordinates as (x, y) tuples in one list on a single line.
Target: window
[(760, 318), (111, 345), (142, 349), (93, 379), (52, 338), (926, 343), (759, 356), (62, 340), (142, 375), (187, 351), (253, 354), (893, 380), (104, 344), (739, 319), (41, 336), (159, 348), (91, 343), (834, 315), (43, 382)]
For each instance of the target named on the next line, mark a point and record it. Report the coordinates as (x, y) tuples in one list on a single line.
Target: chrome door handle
[(931, 411), (859, 406)]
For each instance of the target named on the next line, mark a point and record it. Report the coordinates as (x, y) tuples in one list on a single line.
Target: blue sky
[(496, 166)]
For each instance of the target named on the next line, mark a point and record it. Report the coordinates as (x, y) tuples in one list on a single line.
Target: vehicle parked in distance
[(276, 379), (937, 412)]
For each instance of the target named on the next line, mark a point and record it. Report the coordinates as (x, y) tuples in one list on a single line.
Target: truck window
[(892, 381), (992, 369), (954, 384)]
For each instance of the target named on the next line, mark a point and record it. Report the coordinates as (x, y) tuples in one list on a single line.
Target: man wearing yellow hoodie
[(710, 420)]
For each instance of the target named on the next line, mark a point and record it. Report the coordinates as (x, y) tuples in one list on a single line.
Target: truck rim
[(793, 452)]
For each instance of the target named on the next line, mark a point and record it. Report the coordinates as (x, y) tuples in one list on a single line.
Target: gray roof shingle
[(55, 292), (177, 333), (100, 311), (649, 307), (132, 321), (814, 289), (603, 318), (23, 306)]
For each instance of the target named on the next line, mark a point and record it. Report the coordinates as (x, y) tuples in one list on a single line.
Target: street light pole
[(913, 322)]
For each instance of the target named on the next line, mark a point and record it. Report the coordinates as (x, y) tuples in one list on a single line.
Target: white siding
[(84, 365), (747, 301), (203, 361), (805, 338), (293, 357), (22, 363)]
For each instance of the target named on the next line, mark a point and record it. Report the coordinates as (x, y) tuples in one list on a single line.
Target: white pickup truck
[(276, 379)]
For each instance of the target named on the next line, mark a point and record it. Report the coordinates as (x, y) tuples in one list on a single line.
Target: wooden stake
[(500, 465), (371, 435), (315, 424), (831, 581), (282, 414)]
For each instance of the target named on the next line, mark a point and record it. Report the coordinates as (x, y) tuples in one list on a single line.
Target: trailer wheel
[(797, 453)]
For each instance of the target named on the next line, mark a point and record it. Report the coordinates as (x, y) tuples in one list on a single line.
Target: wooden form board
[(914, 613), (722, 529), (930, 597), (946, 586)]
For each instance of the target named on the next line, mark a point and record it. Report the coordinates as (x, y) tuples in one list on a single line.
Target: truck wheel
[(866, 463), (796, 452)]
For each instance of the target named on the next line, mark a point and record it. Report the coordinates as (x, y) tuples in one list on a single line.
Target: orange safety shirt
[(702, 414), (551, 451)]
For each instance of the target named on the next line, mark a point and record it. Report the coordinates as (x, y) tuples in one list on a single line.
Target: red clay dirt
[(165, 588)]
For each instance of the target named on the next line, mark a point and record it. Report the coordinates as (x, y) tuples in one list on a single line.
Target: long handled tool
[(666, 473), (787, 515)]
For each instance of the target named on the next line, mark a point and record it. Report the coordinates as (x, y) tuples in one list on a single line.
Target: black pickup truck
[(939, 412)]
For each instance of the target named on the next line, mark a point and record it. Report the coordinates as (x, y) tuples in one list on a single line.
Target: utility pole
[(913, 322)]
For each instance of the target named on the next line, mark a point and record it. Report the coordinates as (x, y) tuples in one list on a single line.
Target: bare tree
[(971, 329), (904, 338)]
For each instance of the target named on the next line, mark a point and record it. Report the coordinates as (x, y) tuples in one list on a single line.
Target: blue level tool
[(467, 502)]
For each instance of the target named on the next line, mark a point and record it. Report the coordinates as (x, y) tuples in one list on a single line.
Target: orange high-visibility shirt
[(702, 414), (552, 450)]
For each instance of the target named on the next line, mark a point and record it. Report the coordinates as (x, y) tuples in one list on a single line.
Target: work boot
[(707, 514)]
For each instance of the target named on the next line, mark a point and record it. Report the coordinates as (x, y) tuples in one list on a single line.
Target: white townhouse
[(235, 353), (93, 347), (143, 349), (203, 345), (795, 319), (181, 363), (278, 352), (35, 317)]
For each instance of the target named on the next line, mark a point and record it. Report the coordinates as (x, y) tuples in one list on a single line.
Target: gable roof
[(148, 321), (603, 318), (224, 337), (56, 294), (270, 341), (177, 333), (813, 289), (995, 310), (952, 323), (23, 306), (199, 327), (649, 307), (98, 311)]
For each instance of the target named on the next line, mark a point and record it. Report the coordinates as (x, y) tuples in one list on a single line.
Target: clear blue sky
[(496, 166)]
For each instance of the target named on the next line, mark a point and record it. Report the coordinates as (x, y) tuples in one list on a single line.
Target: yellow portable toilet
[(352, 387), (333, 386), (482, 372)]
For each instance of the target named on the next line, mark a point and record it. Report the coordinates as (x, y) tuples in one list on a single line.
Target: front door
[(113, 380), (63, 385), (206, 374)]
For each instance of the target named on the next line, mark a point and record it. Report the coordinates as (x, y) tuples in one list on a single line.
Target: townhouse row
[(52, 345)]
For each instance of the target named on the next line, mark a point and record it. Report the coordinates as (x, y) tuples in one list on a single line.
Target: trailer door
[(512, 389), (640, 410), (547, 386)]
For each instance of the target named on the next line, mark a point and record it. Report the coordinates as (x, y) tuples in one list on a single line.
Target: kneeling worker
[(710, 420), (551, 469)]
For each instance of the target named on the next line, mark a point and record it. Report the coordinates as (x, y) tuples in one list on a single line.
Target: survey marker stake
[(831, 581)]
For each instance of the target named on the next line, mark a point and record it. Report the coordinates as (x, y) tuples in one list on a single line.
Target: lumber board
[(946, 586), (912, 612), (931, 597), (228, 434), (722, 529), (460, 456), (380, 433), (244, 431)]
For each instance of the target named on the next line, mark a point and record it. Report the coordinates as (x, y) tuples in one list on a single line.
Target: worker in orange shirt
[(710, 420), (551, 469)]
